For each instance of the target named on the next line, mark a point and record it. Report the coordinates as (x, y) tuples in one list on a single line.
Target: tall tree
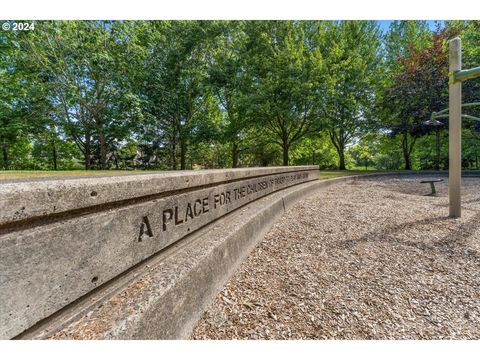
[(282, 90), (227, 79), (418, 89), (352, 56), (23, 109), (81, 63), (175, 91)]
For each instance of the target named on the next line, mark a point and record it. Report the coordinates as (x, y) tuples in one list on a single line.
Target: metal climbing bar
[(462, 75)]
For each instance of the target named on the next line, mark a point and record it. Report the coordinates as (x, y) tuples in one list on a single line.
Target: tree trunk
[(174, 156), (183, 154), (116, 161), (54, 155), (174, 150), (234, 155), (406, 153), (285, 152), (408, 161), (103, 149), (88, 151), (338, 141), (341, 156), (5, 156)]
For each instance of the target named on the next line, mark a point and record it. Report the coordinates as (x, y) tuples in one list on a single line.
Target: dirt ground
[(368, 259)]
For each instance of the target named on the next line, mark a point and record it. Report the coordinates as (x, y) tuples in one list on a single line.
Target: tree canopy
[(211, 94)]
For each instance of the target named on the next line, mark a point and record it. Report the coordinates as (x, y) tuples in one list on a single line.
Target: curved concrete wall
[(62, 238), (167, 284), (165, 296)]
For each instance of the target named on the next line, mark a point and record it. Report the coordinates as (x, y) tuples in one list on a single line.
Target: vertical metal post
[(455, 130)]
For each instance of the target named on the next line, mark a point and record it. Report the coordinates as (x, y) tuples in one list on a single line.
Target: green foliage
[(471, 58), (352, 60), (388, 155), (82, 67), (361, 155), (316, 150), (419, 86), (283, 87), (207, 94), (402, 37)]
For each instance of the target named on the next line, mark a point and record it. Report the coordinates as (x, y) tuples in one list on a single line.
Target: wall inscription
[(45, 267), (232, 195)]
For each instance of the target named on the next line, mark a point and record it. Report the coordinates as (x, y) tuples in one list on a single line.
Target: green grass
[(329, 174), (23, 174)]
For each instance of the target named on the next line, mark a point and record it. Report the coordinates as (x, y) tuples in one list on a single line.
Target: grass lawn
[(328, 174), (14, 174), (23, 174)]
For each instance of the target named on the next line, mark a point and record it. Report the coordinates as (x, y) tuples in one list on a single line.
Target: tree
[(22, 107), (282, 89), (80, 62), (11, 124), (418, 89), (175, 92), (227, 79), (352, 58), (361, 154), (401, 38), (202, 94), (470, 33)]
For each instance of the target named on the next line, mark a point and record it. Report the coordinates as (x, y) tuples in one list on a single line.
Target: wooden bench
[(432, 184)]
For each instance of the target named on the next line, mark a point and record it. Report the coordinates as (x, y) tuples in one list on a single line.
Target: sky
[(384, 24)]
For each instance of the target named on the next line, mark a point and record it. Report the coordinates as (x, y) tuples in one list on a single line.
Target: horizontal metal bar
[(462, 75), (441, 111), (471, 104), (441, 114), (470, 117)]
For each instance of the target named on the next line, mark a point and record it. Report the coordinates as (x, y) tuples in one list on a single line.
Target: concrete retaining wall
[(165, 296), (76, 267), (61, 239)]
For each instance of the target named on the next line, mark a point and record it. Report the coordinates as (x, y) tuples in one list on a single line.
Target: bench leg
[(432, 186)]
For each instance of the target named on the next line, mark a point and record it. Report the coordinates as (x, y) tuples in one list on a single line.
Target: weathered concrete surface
[(20, 199), (167, 294), (80, 233), (165, 297)]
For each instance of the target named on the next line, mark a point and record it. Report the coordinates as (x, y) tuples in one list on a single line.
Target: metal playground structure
[(456, 77)]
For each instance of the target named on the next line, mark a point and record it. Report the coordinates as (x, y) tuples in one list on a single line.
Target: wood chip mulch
[(367, 259)]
